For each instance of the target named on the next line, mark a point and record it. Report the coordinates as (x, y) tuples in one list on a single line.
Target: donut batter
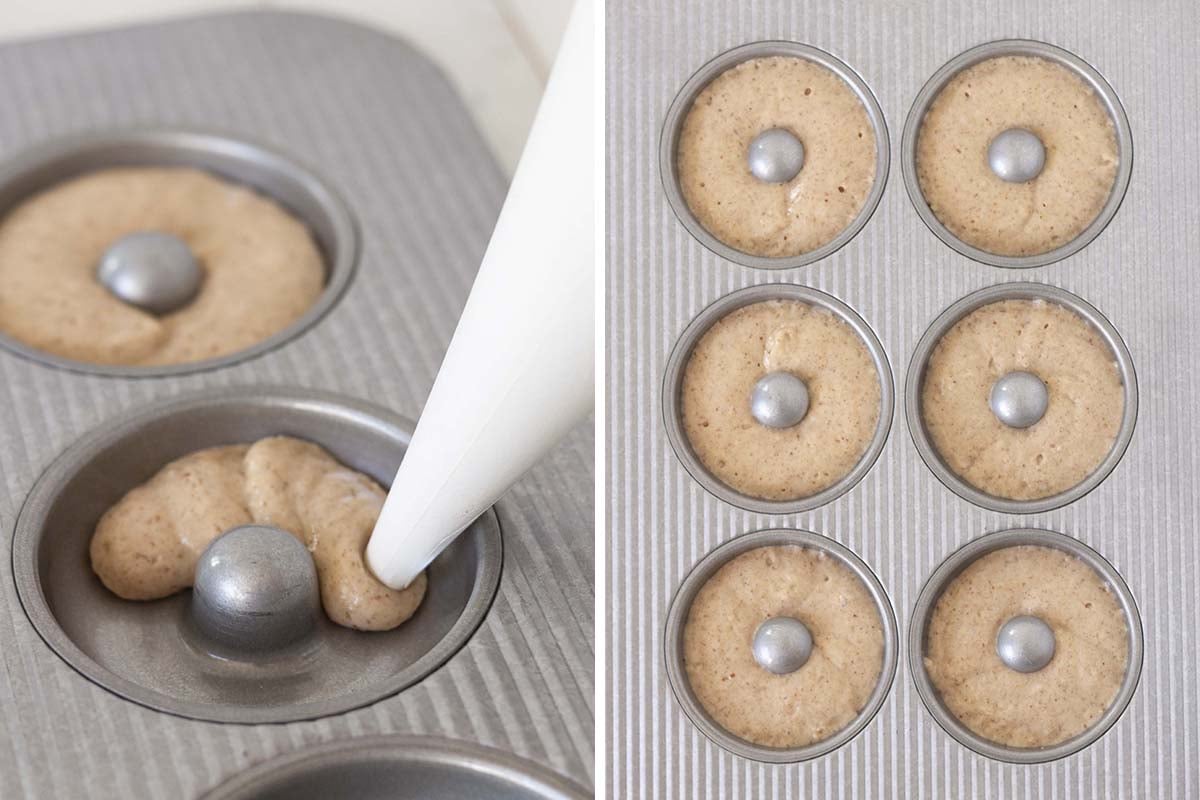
[(817, 700), (146, 546), (262, 269), (1016, 219), (1035, 709), (776, 219), (1086, 404), (780, 463)]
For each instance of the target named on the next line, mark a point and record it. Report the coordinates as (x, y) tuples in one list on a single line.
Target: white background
[(497, 52)]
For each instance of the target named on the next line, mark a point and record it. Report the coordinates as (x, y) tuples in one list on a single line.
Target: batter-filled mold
[(1021, 397), (1025, 645), (1017, 153), (162, 252), (774, 154), (777, 398), (780, 645), (185, 659)]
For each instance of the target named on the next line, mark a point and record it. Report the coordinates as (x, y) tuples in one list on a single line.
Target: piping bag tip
[(519, 372)]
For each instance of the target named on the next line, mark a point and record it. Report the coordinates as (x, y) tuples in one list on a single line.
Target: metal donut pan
[(344, 125), (901, 518)]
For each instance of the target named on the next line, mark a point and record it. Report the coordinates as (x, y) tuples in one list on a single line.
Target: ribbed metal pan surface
[(1140, 272), (377, 120)]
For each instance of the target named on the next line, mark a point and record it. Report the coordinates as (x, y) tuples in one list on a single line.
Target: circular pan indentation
[(673, 384), (398, 766), (951, 568), (336, 670), (677, 617), (669, 140), (1018, 291), (310, 198), (1016, 47)]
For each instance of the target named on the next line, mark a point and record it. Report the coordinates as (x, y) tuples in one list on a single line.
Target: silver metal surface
[(1019, 399), (681, 605), (1025, 643), (375, 117), (152, 270), (673, 382), (779, 400), (255, 592), (900, 518), (398, 768), (336, 670), (1019, 291), (1017, 47), (775, 156), (673, 124), (782, 645), (1016, 155), (236, 159), (951, 568)]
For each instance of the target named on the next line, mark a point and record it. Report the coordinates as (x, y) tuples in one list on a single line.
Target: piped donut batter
[(776, 219), (820, 698), (780, 463), (1055, 703), (146, 546), (262, 269), (1085, 408), (1016, 219)]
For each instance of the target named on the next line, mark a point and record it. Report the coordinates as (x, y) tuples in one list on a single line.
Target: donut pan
[(348, 128), (1135, 281)]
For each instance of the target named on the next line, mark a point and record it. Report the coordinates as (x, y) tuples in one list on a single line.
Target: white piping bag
[(519, 372)]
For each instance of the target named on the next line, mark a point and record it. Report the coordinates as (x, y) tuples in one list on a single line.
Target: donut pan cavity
[(1017, 47), (673, 384), (669, 141), (171, 668), (236, 159), (951, 568), (398, 768), (677, 618), (1019, 291)]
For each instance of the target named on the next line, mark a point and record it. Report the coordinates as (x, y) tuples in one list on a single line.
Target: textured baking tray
[(375, 119), (1140, 272)]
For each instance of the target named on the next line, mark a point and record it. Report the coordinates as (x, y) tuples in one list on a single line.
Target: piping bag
[(519, 373)]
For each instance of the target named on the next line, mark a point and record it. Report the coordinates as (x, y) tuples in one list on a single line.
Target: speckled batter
[(147, 545), (817, 700), (780, 463), (1035, 709), (1081, 422), (776, 219), (1016, 219), (262, 269)]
